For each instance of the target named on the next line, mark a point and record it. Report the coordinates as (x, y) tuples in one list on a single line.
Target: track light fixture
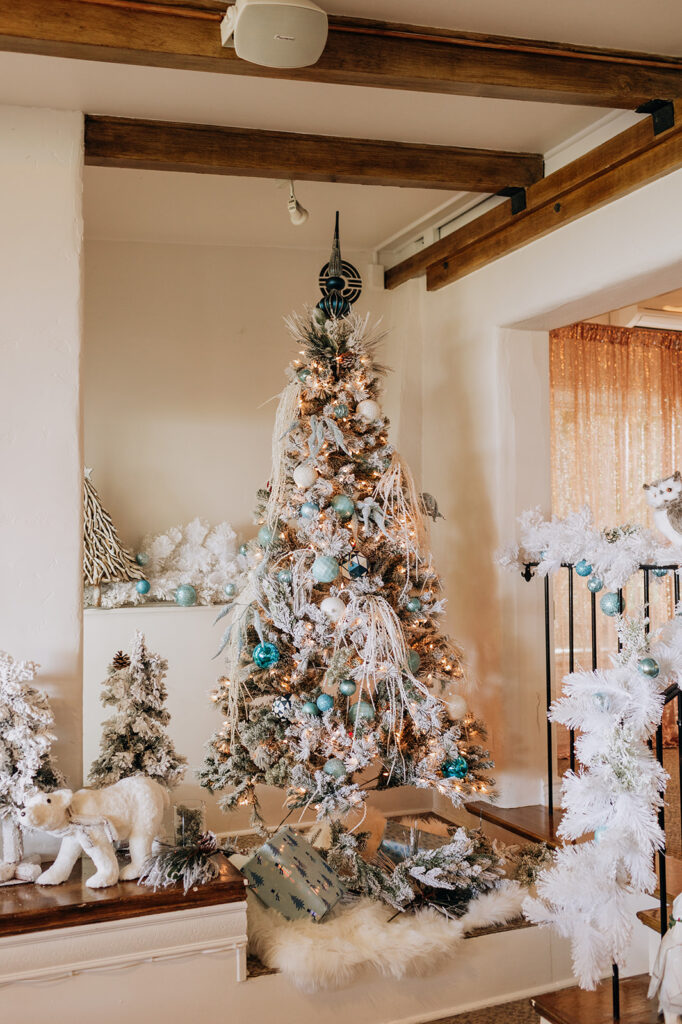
[(297, 213)]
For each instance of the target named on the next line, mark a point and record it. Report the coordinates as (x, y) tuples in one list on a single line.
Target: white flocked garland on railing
[(616, 794)]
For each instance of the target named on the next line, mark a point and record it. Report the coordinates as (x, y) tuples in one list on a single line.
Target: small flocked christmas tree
[(135, 741), (339, 677), (26, 739), (105, 560)]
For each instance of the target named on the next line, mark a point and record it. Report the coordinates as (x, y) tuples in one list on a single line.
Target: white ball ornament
[(333, 608), (456, 706), (305, 476), (368, 410)]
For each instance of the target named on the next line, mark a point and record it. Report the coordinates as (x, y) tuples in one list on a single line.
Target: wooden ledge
[(37, 908), (533, 822), (575, 1006)]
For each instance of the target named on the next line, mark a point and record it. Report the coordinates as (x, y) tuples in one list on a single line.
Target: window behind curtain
[(616, 421)]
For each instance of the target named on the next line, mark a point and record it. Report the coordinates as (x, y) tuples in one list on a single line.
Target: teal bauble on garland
[(304, 374), (285, 576), (310, 510), (265, 536), (141, 558), (456, 769), (413, 604), (230, 589), (361, 710), (413, 662), (583, 568), (310, 708), (340, 410), (185, 595), (347, 687), (265, 655), (325, 702), (334, 767), (243, 549), (143, 586), (612, 604), (325, 569), (343, 506), (648, 667), (595, 584)]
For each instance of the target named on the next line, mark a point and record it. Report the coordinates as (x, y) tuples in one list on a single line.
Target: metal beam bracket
[(517, 196), (662, 113)]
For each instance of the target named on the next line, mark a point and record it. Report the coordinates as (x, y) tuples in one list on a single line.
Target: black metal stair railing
[(673, 693)]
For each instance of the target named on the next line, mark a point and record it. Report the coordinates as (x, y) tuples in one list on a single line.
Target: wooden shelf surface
[(575, 1006), (532, 822), (36, 908), (652, 918)]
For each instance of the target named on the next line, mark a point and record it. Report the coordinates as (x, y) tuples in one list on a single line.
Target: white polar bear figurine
[(666, 976), (92, 819)]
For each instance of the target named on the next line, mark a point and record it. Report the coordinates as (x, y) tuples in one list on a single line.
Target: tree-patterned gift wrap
[(287, 874)]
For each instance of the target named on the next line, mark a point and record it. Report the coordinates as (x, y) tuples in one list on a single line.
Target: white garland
[(615, 555), (199, 554), (616, 795)]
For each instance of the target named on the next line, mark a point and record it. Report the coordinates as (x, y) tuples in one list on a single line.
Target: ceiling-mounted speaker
[(276, 33)]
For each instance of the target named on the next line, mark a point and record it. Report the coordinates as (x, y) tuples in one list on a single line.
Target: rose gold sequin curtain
[(616, 416)]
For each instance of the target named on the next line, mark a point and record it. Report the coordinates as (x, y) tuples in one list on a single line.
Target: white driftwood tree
[(105, 560)]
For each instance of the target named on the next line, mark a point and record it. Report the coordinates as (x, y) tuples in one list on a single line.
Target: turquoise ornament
[(612, 604), (265, 655), (143, 586), (583, 568), (265, 536), (347, 687), (361, 710), (285, 576), (413, 662), (325, 702), (456, 769), (414, 604), (325, 569), (310, 510), (310, 708), (334, 767), (648, 667), (185, 595), (304, 374), (340, 410), (660, 572), (230, 589), (141, 558), (343, 506), (355, 566), (594, 584), (243, 549)]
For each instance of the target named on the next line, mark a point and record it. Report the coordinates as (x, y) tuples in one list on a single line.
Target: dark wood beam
[(617, 167), (358, 52), (205, 149)]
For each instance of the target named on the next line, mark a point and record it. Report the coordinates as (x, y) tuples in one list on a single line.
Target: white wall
[(483, 434), (40, 451), (185, 347)]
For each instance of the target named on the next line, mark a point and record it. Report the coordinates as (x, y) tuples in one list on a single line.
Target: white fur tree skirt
[(329, 954)]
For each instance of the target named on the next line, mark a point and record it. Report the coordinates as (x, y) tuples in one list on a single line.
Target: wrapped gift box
[(287, 874), (401, 841)]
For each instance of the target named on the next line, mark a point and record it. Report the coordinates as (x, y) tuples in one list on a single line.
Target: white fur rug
[(329, 954)]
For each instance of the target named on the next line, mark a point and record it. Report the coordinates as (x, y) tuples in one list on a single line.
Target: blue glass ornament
[(141, 558), (361, 710), (325, 702), (230, 589), (185, 595), (340, 410), (265, 655), (285, 576), (334, 284), (265, 536), (648, 667), (660, 572), (611, 604), (594, 584), (143, 586), (347, 687), (325, 569), (583, 568), (334, 305), (334, 767), (281, 706), (414, 604), (310, 708), (304, 374), (413, 662), (243, 549), (456, 769), (343, 506), (310, 510), (355, 566)]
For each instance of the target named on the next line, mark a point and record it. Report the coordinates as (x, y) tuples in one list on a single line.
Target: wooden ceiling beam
[(624, 163), (358, 52), (207, 149)]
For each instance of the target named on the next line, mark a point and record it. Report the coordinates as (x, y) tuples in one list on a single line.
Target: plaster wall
[(40, 448)]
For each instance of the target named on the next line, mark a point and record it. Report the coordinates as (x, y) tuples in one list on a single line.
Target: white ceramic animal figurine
[(666, 976), (665, 498), (92, 820)]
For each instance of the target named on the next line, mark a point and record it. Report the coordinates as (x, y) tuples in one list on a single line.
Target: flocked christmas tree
[(134, 740), (339, 678), (105, 560), (26, 738)]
